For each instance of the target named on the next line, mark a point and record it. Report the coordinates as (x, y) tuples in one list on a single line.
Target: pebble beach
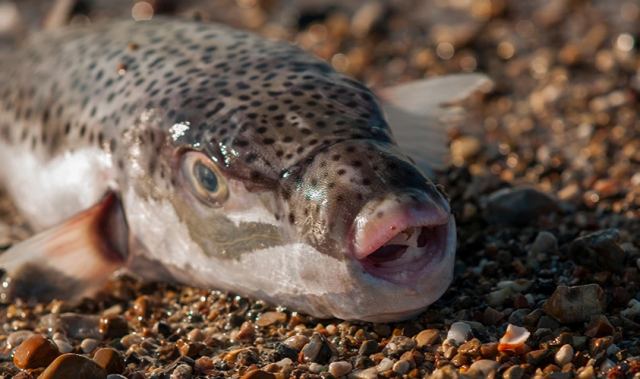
[(544, 183)]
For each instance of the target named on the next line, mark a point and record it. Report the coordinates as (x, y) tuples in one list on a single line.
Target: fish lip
[(432, 217)]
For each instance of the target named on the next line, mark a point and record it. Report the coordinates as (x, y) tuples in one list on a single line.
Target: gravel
[(544, 184)]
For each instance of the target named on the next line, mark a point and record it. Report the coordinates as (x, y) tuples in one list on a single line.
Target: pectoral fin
[(70, 260), (419, 113)]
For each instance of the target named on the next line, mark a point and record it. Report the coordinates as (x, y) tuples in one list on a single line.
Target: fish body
[(235, 163)]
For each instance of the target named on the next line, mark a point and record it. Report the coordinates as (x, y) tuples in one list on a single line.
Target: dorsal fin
[(419, 113)]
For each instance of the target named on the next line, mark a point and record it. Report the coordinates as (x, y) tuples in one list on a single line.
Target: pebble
[(296, 342), (564, 355), (427, 337), (368, 347), (63, 345), (544, 245), (110, 360), (76, 326), (368, 373), (88, 345), (116, 376), (514, 339), (536, 357), (483, 367), (130, 340), (398, 345), (575, 304), (599, 250), (73, 366), (270, 318), (340, 368), (459, 332), (317, 350), (513, 372), (401, 367), (34, 352), (182, 371), (15, 338), (385, 365), (316, 368), (632, 310), (518, 206), (599, 326), (113, 326)]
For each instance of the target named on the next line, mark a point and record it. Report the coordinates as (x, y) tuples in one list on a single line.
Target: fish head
[(305, 201)]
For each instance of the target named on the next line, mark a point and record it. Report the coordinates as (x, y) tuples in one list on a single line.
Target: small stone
[(116, 376), (633, 310), (544, 244), (296, 342), (76, 326), (16, 338), (270, 318), (537, 357), (73, 366), (518, 206), (401, 367), (258, 374), (498, 297), (489, 349), (130, 340), (587, 373), (316, 368), (471, 347), (317, 350), (514, 339), (368, 373), (340, 368), (34, 352), (182, 371), (195, 335), (575, 304), (599, 326), (398, 345), (484, 368), (113, 326), (564, 355), (88, 345), (513, 372), (110, 360), (459, 332), (599, 250), (427, 337), (385, 365), (63, 345), (368, 347)]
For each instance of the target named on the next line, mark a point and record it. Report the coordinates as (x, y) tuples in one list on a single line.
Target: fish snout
[(398, 237)]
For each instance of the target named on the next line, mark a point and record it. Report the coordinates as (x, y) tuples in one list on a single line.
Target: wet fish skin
[(305, 155)]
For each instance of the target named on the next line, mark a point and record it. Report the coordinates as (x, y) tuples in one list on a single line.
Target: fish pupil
[(206, 177)]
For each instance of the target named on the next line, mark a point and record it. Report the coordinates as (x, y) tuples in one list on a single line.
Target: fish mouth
[(399, 242)]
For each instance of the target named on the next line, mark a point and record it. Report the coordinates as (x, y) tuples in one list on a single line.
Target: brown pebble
[(110, 360), (270, 318), (36, 351), (258, 374), (113, 326), (73, 366), (599, 326), (427, 337), (575, 304)]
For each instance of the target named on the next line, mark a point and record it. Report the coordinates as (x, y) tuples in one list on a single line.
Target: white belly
[(47, 191)]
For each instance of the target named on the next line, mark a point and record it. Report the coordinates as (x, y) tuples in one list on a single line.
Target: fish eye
[(205, 179)]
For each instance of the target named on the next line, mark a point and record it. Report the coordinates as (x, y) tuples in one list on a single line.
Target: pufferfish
[(196, 153)]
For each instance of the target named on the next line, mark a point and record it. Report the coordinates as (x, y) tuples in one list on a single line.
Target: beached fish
[(206, 155)]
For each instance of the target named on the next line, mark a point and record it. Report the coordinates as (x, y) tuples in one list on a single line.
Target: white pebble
[(88, 345), (340, 368), (63, 346), (633, 309), (296, 342), (16, 338), (315, 368), (564, 355), (459, 332), (385, 365), (514, 338), (401, 367), (368, 373), (284, 363)]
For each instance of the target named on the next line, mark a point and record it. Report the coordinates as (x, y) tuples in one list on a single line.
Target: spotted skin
[(310, 145)]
